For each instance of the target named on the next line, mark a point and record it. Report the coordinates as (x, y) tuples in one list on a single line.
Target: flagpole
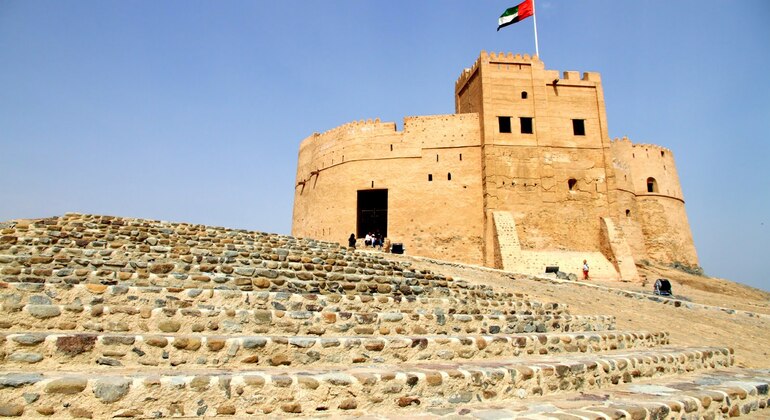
[(534, 19)]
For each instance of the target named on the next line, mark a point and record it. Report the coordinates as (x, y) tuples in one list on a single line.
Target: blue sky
[(193, 111)]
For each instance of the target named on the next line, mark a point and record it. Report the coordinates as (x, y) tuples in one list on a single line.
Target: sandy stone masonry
[(116, 317), (522, 176)]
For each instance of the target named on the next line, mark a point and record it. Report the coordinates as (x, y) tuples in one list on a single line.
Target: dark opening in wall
[(628, 213), (526, 125), (430, 177), (372, 212), (461, 156), (372, 184), (436, 158), (505, 124), (572, 183), (579, 127), (652, 185), (449, 176), (524, 94), (391, 147), (662, 153)]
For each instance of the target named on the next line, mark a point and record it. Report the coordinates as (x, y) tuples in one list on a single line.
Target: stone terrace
[(117, 317)]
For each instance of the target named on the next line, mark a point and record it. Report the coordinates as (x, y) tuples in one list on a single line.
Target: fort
[(118, 317), (522, 176)]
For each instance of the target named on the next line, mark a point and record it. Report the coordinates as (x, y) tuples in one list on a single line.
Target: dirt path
[(748, 336)]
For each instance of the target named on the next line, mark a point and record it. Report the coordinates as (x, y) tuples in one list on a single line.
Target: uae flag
[(515, 14)]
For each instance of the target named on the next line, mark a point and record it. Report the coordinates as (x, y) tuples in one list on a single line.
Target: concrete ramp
[(620, 250)]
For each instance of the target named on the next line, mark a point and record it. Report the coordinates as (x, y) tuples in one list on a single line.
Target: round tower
[(650, 202)]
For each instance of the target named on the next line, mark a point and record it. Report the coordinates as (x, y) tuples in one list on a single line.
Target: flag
[(515, 14)]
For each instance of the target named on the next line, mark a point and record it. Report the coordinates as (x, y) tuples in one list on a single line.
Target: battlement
[(625, 141), (509, 58), (359, 124), (486, 58), (651, 146)]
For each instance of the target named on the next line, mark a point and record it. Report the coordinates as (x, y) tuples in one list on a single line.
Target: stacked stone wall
[(116, 317)]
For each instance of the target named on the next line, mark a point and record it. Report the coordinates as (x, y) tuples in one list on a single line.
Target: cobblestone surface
[(115, 317)]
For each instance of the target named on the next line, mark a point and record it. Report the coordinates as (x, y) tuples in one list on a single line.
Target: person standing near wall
[(352, 241), (585, 270)]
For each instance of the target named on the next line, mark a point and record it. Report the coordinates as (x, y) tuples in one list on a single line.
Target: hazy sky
[(193, 111)]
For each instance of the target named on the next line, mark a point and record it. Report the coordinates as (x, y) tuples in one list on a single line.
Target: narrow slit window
[(449, 176), (504, 124), (628, 213), (571, 184), (430, 177), (526, 125), (579, 127), (461, 157), (436, 158), (391, 147)]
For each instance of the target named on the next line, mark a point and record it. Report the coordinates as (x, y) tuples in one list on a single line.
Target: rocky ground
[(747, 334)]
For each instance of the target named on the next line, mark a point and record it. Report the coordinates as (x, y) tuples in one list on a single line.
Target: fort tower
[(524, 175)]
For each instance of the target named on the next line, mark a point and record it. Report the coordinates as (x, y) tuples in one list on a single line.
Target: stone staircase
[(116, 317)]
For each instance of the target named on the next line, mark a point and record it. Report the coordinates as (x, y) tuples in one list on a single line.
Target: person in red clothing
[(585, 270)]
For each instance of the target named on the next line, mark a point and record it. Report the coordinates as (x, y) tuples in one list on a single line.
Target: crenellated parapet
[(356, 125), (496, 58)]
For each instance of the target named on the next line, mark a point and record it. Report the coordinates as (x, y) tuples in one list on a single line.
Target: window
[(430, 177), (571, 184), (391, 147), (436, 158), (652, 185), (449, 176), (579, 127), (524, 94), (505, 124), (662, 153), (461, 156), (526, 125), (628, 213)]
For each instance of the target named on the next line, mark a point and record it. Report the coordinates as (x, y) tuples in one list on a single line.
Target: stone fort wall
[(569, 190), (427, 211)]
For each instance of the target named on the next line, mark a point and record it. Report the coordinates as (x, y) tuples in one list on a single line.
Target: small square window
[(505, 124), (579, 127), (526, 125)]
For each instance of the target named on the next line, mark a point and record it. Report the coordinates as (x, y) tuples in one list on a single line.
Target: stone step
[(402, 288), (167, 297), (158, 393), (703, 395), (112, 228), (252, 279), (125, 318), (94, 351), (130, 260), (45, 247)]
